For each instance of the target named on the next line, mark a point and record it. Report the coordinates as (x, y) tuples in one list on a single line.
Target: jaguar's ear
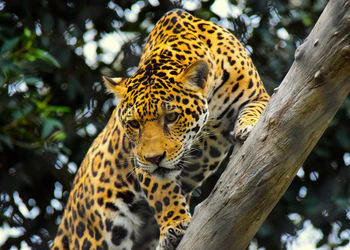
[(196, 75), (116, 85)]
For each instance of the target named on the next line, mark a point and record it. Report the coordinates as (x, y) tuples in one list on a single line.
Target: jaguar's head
[(162, 114)]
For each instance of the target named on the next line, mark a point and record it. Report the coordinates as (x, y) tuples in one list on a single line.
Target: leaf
[(306, 20), (9, 45), (27, 32), (343, 243), (49, 125), (32, 80), (6, 140), (61, 109), (59, 136), (34, 54)]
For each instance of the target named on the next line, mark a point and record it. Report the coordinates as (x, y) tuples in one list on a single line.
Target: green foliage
[(52, 105)]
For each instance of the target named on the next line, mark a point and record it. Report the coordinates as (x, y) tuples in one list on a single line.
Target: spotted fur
[(194, 90)]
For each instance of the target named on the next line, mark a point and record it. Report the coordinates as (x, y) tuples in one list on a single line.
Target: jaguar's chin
[(165, 173)]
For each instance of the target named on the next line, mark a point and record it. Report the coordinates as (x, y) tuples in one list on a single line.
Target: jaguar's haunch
[(194, 89)]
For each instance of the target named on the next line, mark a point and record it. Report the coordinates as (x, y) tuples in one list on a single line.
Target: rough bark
[(260, 171)]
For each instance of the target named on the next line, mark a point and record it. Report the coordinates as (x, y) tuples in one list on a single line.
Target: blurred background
[(53, 104)]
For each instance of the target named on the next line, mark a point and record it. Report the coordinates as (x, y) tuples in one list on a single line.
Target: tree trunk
[(298, 113)]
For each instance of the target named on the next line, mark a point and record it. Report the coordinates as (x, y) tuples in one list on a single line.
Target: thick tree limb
[(261, 170)]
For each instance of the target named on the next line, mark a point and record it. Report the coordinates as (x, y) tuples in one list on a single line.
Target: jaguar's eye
[(134, 124), (171, 117)]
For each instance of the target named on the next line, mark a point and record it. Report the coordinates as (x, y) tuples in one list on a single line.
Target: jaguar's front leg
[(248, 117), (170, 207)]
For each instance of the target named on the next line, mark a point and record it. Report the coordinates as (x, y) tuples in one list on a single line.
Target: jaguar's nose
[(156, 159)]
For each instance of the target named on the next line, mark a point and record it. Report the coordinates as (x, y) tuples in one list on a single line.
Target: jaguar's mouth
[(165, 170)]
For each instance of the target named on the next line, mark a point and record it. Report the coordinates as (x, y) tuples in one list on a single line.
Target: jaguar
[(194, 95)]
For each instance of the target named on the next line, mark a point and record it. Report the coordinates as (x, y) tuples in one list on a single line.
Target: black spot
[(201, 26), (174, 20), (170, 214), (109, 224), (65, 223), (80, 229), (193, 167), (75, 214), (225, 111), (126, 196), (154, 188), (111, 206), (237, 98), (98, 235), (117, 163), (81, 210), (213, 152), (226, 99), (65, 242), (110, 147), (231, 61), (132, 237), (240, 77), (235, 87), (118, 234), (252, 94), (180, 57), (76, 244), (86, 245), (117, 184), (161, 74), (158, 206), (250, 84), (196, 153), (212, 167), (198, 177), (140, 176), (166, 22), (145, 192), (137, 186), (147, 181), (103, 178), (209, 43), (120, 155), (92, 217), (91, 233), (230, 113), (166, 201), (100, 201), (104, 246), (225, 77), (196, 129)]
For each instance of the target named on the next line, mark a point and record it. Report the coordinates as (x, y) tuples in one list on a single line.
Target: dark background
[(52, 105)]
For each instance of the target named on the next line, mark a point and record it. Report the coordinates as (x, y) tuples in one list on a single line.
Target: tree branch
[(261, 170)]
